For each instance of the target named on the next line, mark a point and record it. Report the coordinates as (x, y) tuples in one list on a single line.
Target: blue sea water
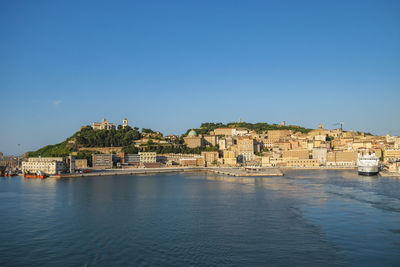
[(313, 218)]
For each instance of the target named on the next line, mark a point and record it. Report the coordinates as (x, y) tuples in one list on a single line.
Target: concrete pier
[(245, 172), (389, 174), (138, 171)]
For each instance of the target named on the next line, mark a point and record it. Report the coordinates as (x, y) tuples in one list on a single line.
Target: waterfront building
[(81, 164), (266, 161), (320, 154), (148, 157), (12, 162), (188, 162), (103, 125), (297, 153), (342, 158), (132, 159), (304, 163), (70, 163), (48, 165), (210, 157), (102, 161), (191, 161)]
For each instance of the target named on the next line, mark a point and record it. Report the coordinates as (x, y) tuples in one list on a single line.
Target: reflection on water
[(304, 218)]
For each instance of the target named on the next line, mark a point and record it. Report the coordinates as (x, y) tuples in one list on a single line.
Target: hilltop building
[(103, 125)]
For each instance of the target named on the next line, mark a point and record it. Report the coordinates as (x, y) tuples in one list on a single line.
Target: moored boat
[(368, 164), (39, 175)]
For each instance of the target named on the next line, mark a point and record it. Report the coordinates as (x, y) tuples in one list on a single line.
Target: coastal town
[(245, 151)]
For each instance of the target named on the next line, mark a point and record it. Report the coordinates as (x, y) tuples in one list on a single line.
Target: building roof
[(192, 133)]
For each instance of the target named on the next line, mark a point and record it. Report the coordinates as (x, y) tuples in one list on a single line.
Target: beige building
[(148, 157), (320, 155), (191, 161), (391, 155), (230, 161), (319, 131), (209, 140), (298, 153), (266, 161), (81, 164), (222, 144), (192, 140), (342, 158), (394, 167), (224, 131), (276, 135), (210, 157), (103, 125), (229, 154), (245, 148), (51, 166), (302, 163)]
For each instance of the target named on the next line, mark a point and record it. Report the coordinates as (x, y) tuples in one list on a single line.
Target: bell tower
[(124, 122)]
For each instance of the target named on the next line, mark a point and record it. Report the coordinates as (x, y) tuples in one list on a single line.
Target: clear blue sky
[(170, 65)]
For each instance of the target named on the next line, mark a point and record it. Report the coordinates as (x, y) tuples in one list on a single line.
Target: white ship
[(368, 164)]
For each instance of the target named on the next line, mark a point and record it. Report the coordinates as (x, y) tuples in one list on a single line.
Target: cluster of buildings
[(9, 162), (238, 147), (105, 125), (286, 148), (275, 148), (53, 165)]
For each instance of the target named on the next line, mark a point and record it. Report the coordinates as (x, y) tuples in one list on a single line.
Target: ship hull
[(35, 176), (368, 170), (367, 173)]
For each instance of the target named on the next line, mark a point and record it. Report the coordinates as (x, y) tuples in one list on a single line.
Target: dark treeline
[(207, 127)]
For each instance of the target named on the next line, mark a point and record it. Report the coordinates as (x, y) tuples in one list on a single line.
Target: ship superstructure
[(368, 164)]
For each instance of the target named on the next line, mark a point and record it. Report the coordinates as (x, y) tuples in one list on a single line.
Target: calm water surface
[(304, 218)]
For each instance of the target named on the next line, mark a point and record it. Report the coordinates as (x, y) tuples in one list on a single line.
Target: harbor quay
[(233, 171)]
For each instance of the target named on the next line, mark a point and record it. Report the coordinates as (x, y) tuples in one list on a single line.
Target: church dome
[(192, 133)]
